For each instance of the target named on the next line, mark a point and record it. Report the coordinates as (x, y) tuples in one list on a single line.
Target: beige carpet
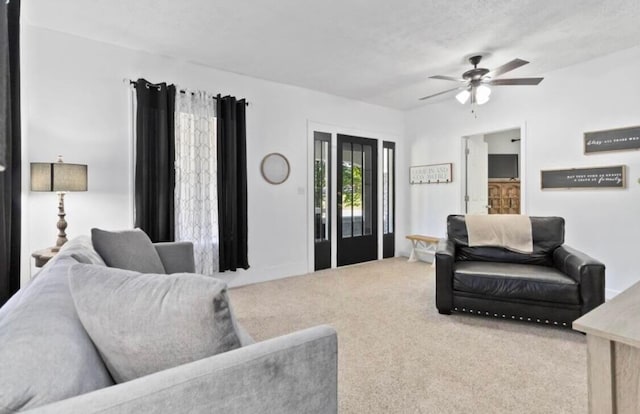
[(398, 355)]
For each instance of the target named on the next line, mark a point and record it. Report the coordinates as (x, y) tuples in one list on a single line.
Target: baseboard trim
[(610, 293)]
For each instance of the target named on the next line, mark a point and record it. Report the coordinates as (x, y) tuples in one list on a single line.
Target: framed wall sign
[(621, 139), (592, 177), (430, 174)]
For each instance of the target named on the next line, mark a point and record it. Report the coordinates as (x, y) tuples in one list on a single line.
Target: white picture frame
[(275, 168)]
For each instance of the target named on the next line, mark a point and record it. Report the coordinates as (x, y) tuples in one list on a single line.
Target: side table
[(613, 353), (43, 256), (425, 245)]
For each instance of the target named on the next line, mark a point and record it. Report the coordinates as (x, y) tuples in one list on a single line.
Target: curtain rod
[(134, 83)]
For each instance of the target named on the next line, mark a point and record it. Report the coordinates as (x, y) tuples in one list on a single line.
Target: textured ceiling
[(377, 51)]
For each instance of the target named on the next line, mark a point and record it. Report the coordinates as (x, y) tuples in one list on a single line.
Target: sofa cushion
[(547, 234), (143, 323), (515, 281), (45, 353), (127, 249)]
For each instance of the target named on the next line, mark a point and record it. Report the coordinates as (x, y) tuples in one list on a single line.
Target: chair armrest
[(290, 374), (176, 257), (586, 271), (445, 258)]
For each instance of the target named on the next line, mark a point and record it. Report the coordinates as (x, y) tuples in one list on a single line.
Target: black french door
[(357, 200)]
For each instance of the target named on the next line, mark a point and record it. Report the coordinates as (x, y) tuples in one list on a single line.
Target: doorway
[(357, 199), (493, 172), (352, 203)]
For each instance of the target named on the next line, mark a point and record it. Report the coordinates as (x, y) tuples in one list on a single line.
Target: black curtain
[(232, 183), (155, 164), (10, 149)]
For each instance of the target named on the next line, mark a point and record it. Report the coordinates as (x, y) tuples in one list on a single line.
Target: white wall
[(76, 104), (500, 142), (595, 95)]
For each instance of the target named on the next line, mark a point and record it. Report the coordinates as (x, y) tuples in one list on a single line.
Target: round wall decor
[(275, 168)]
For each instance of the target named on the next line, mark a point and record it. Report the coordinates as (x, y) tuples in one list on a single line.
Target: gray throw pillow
[(128, 249), (46, 354), (143, 323)]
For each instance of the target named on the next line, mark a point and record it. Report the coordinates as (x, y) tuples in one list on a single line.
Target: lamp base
[(62, 224)]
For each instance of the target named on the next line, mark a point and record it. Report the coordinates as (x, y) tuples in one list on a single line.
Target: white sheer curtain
[(196, 199)]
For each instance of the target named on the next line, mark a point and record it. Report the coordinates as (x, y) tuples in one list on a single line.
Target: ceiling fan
[(477, 81)]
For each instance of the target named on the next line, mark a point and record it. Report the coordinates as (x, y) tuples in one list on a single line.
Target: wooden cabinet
[(504, 197)]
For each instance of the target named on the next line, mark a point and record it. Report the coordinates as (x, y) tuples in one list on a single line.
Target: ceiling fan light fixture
[(476, 81), (482, 94), (463, 96)]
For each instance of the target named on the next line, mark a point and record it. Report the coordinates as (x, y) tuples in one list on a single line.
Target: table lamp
[(60, 177)]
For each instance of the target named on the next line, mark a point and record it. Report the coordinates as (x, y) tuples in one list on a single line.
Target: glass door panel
[(368, 199), (321, 199), (347, 190), (388, 199), (355, 196)]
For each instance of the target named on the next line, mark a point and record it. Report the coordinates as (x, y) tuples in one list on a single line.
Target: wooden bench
[(425, 245)]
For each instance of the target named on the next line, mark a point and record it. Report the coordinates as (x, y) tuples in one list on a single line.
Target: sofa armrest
[(445, 258), (586, 271), (295, 373), (176, 257)]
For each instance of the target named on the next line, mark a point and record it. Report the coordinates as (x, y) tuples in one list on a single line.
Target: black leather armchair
[(555, 284)]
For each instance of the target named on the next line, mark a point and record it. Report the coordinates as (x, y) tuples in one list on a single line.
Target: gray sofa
[(48, 363)]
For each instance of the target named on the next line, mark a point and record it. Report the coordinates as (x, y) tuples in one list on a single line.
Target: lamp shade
[(58, 176)]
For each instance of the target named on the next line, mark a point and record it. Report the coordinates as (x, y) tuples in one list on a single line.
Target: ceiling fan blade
[(507, 67), (515, 81), (441, 93), (449, 78)]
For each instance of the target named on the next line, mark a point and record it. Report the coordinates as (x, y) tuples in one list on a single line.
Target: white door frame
[(523, 164), (334, 130)]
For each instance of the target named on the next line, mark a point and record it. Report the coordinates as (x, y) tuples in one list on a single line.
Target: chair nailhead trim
[(522, 318)]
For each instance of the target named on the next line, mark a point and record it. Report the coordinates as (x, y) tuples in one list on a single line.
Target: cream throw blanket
[(511, 231)]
